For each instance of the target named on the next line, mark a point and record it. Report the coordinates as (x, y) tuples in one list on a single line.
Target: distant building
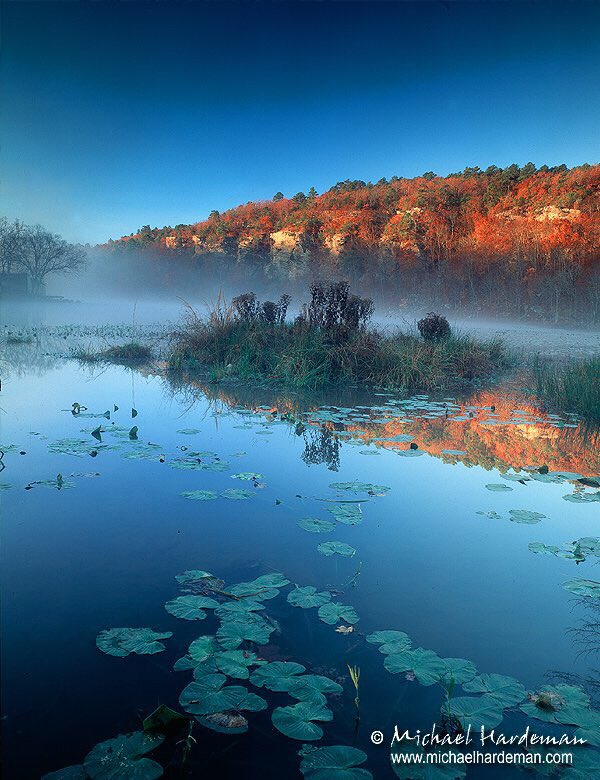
[(15, 284)]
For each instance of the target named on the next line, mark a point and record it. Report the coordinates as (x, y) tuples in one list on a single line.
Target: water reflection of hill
[(494, 429)]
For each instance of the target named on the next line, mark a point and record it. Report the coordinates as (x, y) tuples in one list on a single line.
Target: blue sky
[(117, 115)]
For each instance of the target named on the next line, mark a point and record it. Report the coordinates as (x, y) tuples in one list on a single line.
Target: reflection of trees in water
[(586, 640), (586, 636), (321, 446), (27, 358)]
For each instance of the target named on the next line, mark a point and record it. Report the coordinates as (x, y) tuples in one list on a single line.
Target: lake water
[(437, 554)]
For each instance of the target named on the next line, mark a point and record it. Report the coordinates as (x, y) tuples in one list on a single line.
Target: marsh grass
[(572, 387), (309, 357), (132, 355)]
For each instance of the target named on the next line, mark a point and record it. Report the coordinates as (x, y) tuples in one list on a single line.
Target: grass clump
[(327, 346), (570, 388), (132, 355)]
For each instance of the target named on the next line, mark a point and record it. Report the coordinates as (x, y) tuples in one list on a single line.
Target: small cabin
[(15, 284)]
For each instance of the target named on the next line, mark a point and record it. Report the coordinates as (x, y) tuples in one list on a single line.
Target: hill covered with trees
[(515, 240)]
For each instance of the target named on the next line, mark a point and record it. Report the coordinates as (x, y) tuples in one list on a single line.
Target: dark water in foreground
[(101, 548)]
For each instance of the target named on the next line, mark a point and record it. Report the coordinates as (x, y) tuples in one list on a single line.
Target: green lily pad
[(276, 675), (543, 549), (361, 487), (123, 758), (190, 607), (312, 687), (335, 762), (236, 494), (76, 772), (241, 607), (477, 711), (247, 476), (308, 597), (336, 548), (348, 514), (235, 663), (198, 652), (188, 431), (193, 575), (296, 721), (199, 495), (332, 612), (262, 588), (426, 665), (120, 642), (209, 695), (506, 690), (525, 516), (564, 704), (498, 488), (387, 636), (582, 498), (244, 628), (316, 526), (587, 588)]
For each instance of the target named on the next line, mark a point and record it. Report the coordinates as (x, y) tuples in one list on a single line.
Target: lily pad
[(476, 711), (276, 675), (199, 495), (308, 597), (506, 690), (296, 721), (564, 704), (361, 487), (244, 628), (120, 642), (235, 663), (123, 758), (316, 526), (262, 588), (190, 607), (312, 687), (193, 575), (209, 695), (587, 588), (199, 651), (247, 476), (236, 494), (525, 516), (499, 488), (333, 612), (76, 772), (348, 514), (335, 762), (336, 548)]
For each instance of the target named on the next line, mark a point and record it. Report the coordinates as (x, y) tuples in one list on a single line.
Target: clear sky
[(116, 115)]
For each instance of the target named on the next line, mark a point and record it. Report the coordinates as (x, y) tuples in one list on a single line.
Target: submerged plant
[(355, 677)]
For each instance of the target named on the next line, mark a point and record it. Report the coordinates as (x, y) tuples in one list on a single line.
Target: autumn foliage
[(512, 240)]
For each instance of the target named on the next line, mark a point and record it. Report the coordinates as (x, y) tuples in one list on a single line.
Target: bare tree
[(11, 244), (46, 253)]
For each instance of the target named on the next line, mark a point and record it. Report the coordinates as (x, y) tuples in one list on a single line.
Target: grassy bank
[(574, 387), (312, 357)]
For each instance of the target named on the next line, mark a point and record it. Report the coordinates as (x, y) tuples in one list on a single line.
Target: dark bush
[(274, 313), (246, 307), (332, 307), (434, 327)]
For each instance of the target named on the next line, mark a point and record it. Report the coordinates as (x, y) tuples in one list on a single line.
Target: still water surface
[(101, 547)]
